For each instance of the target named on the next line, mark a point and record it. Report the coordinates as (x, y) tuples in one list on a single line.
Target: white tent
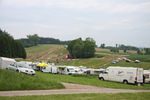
[(4, 62)]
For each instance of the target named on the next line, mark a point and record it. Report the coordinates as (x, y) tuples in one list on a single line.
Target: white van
[(123, 74), (4, 62)]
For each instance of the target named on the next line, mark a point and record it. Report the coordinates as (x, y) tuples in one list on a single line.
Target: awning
[(43, 64)]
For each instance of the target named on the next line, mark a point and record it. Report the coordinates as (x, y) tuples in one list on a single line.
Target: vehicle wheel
[(125, 82), (17, 70), (101, 78)]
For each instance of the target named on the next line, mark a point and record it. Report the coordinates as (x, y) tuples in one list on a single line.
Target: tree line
[(33, 40), (81, 49), (10, 47), (125, 48)]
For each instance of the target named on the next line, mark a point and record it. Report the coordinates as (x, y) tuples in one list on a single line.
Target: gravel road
[(70, 89)]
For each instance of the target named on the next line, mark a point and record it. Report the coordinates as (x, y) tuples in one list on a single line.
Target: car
[(114, 61), (21, 67), (137, 61)]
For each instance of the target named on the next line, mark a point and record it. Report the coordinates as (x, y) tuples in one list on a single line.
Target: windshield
[(24, 66)]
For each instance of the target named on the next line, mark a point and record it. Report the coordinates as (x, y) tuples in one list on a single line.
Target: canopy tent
[(43, 64)]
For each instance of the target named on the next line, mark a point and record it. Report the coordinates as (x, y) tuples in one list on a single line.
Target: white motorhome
[(123, 74), (147, 76), (4, 62), (67, 70)]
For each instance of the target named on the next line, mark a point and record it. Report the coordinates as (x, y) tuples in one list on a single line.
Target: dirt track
[(70, 89)]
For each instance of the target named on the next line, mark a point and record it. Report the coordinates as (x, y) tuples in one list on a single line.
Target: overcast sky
[(107, 21)]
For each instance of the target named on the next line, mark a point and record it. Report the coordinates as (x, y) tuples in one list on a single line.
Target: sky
[(106, 21)]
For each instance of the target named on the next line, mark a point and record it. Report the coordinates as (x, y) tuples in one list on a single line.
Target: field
[(118, 96), (11, 80)]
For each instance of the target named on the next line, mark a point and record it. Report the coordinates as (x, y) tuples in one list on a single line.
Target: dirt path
[(70, 89)]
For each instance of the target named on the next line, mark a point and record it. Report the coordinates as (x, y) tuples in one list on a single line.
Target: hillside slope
[(10, 80), (46, 52)]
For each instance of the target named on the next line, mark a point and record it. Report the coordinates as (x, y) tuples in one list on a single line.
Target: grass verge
[(118, 96), (10, 80)]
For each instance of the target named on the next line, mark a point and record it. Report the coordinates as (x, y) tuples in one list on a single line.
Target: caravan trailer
[(67, 70), (52, 69), (4, 62), (123, 74)]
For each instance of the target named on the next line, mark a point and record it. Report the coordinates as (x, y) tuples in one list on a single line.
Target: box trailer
[(123, 74), (4, 62)]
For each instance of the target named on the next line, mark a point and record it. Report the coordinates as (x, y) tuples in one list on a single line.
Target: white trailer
[(4, 62), (123, 74), (46, 69), (67, 70), (147, 76)]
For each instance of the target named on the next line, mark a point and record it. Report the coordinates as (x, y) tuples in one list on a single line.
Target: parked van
[(123, 74), (4, 62)]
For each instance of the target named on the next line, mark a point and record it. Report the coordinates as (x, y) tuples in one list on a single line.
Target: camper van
[(4, 62), (67, 70), (123, 74), (147, 76)]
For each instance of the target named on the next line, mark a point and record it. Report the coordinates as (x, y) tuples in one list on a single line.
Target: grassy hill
[(46, 52), (50, 53)]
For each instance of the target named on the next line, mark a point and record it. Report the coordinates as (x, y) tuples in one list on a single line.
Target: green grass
[(144, 65), (103, 96), (88, 80), (91, 62), (143, 58), (10, 80), (39, 48)]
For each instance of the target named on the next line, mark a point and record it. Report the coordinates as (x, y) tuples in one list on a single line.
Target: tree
[(139, 51), (81, 49), (33, 39), (102, 45), (147, 51), (9, 47), (125, 51)]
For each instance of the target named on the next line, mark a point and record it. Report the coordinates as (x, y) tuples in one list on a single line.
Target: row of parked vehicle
[(112, 73), (125, 59)]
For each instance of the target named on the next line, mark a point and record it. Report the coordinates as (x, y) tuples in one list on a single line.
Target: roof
[(8, 59)]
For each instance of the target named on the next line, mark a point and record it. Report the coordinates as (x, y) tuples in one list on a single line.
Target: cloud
[(83, 5)]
